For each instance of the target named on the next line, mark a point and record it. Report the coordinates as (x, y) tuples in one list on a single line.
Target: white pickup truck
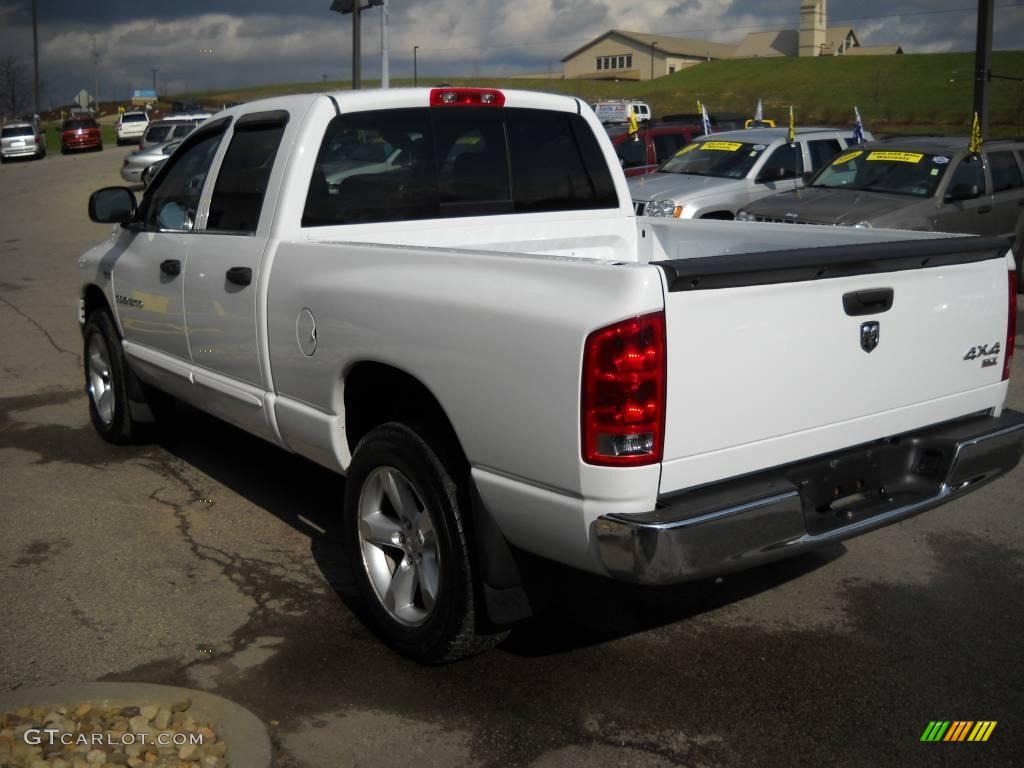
[(445, 295)]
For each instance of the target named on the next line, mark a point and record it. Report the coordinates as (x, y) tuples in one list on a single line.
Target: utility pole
[(415, 72), (155, 70), (96, 74), (35, 60), (385, 80), (983, 63)]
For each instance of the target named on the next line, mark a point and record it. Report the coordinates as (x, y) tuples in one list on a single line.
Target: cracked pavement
[(207, 560)]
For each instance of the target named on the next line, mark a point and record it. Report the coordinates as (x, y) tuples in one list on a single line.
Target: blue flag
[(858, 127)]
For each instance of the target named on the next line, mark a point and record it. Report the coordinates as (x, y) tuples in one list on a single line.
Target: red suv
[(80, 133), (653, 145)]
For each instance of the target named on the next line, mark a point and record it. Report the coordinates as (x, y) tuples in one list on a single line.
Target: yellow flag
[(700, 108), (791, 136), (633, 127), (975, 145)]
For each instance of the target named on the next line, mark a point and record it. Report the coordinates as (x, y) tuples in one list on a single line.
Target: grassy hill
[(909, 93)]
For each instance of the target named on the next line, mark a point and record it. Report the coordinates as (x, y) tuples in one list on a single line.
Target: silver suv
[(718, 174), (21, 140), (923, 183)]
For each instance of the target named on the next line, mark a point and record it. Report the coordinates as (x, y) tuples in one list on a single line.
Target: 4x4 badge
[(869, 335)]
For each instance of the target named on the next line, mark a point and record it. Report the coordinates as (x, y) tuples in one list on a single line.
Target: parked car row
[(922, 183)]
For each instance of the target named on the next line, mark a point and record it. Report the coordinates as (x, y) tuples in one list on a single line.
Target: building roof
[(783, 42), (673, 46)]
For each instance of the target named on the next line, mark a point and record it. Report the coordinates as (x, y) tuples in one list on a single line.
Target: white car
[(499, 355), (131, 126), (717, 175)]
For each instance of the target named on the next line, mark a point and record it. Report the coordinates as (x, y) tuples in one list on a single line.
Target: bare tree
[(15, 87)]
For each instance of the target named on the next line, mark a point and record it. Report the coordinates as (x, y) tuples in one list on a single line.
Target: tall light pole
[(385, 80), (653, 43), (35, 61), (415, 72), (355, 7), (96, 74), (155, 70)]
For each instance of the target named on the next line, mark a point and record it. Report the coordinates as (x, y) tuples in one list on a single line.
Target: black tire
[(116, 424), (448, 629), (99, 148)]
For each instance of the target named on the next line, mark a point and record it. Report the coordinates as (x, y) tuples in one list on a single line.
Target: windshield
[(899, 173), (21, 130), (158, 133), (726, 159)]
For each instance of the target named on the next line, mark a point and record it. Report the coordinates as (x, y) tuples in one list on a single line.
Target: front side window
[(969, 173), (243, 177), (1005, 171), (172, 203), (785, 162)]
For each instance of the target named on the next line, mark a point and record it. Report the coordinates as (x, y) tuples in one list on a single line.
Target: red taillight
[(1011, 326), (466, 97), (622, 414)]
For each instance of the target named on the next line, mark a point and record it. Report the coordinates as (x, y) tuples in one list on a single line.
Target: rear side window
[(422, 163), (243, 177), (822, 151), (1005, 172)]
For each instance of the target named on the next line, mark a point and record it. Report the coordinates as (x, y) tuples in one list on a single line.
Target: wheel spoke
[(400, 495), (378, 529), (106, 403), (399, 595), (427, 574)]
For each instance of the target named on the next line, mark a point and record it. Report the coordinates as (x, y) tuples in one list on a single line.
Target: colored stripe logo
[(958, 730)]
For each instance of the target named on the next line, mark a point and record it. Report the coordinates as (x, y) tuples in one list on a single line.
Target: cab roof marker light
[(466, 97)]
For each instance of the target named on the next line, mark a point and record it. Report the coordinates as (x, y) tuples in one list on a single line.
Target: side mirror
[(112, 205), (963, 192)]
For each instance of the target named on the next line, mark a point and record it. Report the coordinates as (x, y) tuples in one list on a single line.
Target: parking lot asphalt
[(206, 560)]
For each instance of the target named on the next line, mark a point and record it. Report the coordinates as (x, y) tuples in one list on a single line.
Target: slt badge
[(869, 332)]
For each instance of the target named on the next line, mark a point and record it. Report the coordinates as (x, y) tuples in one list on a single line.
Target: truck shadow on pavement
[(572, 609)]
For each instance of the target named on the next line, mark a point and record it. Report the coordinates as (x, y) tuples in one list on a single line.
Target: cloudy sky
[(262, 41)]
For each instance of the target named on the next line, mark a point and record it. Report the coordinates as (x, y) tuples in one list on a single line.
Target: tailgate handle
[(170, 267), (868, 302), (239, 275)]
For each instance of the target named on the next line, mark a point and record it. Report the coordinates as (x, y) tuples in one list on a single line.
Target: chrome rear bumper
[(791, 509)]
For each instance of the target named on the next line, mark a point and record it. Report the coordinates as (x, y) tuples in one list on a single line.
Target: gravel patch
[(85, 735)]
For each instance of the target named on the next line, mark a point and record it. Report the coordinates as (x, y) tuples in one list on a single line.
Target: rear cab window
[(423, 163)]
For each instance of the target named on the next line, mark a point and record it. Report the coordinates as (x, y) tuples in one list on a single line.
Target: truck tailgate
[(777, 356)]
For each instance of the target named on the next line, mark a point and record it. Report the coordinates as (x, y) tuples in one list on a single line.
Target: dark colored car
[(652, 146), (80, 133), (925, 183)]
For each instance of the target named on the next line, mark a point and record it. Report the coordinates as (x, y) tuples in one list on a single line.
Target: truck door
[(222, 274), (147, 276)]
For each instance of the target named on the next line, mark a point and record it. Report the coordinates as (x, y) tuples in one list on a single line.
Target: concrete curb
[(246, 738)]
